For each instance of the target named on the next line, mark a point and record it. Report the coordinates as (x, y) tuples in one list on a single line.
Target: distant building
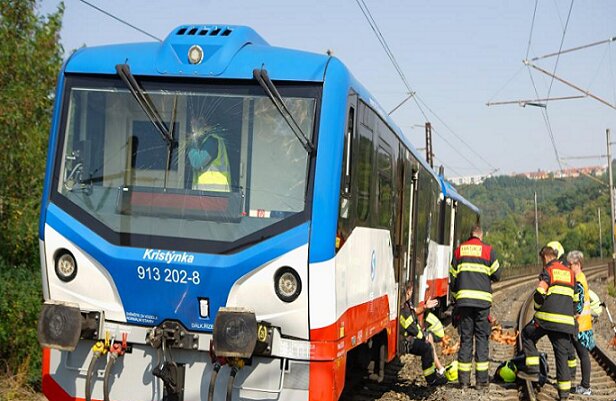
[(576, 172), (471, 179), (534, 175), (565, 173)]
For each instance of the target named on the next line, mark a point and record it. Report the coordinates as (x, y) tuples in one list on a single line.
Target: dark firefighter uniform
[(414, 342), (473, 268), (554, 315)]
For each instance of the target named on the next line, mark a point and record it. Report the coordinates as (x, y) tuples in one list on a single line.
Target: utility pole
[(609, 169), (537, 229), (600, 234), (429, 154)]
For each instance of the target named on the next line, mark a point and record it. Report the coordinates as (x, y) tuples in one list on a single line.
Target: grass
[(15, 386), (611, 290)]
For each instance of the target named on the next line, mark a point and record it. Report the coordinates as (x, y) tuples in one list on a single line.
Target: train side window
[(347, 156), (364, 173), (385, 193)]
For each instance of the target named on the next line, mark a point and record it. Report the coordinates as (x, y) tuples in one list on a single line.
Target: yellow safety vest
[(585, 318), (216, 176)]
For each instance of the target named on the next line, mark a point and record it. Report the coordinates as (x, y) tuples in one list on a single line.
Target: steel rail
[(521, 279), (599, 354), (525, 315)]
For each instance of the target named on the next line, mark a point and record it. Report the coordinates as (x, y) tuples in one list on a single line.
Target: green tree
[(567, 210), (30, 58)]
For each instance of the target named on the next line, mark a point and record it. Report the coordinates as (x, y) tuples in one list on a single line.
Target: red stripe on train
[(52, 390), (330, 345)]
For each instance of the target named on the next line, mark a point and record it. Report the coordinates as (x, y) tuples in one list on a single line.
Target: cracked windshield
[(224, 165)]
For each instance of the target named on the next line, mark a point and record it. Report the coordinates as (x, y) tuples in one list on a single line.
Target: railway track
[(523, 279), (403, 379), (603, 369)]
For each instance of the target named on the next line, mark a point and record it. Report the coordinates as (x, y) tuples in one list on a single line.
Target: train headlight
[(235, 332), (287, 284), (59, 326), (66, 266), (195, 54)]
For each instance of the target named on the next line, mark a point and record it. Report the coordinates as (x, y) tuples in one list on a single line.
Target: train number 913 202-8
[(176, 276)]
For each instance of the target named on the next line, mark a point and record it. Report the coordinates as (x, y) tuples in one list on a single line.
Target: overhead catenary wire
[(375, 28), (455, 134), (121, 20), (411, 93), (532, 26), (546, 119), (544, 111), (514, 76), (447, 168), (453, 147), (599, 65), (562, 41)]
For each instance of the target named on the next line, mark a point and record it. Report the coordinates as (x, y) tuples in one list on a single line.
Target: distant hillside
[(567, 210)]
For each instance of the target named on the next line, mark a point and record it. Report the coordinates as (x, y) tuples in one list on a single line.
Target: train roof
[(229, 52), (450, 192)]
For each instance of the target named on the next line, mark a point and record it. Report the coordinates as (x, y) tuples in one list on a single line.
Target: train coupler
[(167, 335)]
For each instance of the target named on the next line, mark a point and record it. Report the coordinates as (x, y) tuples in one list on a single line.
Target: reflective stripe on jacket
[(473, 268), (435, 326), (556, 304), (216, 176), (409, 323)]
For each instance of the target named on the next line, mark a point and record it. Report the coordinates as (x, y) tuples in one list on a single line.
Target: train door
[(451, 208), (404, 230), (347, 216)]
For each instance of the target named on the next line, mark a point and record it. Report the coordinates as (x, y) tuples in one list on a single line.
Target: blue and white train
[(157, 289)]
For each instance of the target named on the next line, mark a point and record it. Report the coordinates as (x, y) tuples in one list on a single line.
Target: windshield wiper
[(268, 86), (151, 112), (145, 102), (173, 142)]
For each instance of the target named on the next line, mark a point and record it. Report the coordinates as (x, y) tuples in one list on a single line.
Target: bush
[(20, 304)]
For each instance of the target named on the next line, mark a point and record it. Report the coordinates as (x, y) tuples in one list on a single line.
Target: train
[(267, 286)]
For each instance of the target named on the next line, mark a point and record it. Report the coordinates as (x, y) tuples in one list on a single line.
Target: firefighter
[(414, 340), (473, 268), (554, 316), (562, 258)]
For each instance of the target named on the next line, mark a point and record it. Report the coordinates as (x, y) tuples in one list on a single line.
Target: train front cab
[(140, 263)]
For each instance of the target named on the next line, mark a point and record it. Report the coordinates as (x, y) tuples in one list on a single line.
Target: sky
[(456, 55)]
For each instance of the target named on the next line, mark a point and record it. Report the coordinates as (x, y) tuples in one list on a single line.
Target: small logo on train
[(373, 265), (168, 256)]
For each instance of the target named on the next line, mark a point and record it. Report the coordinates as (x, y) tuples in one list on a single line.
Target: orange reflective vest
[(555, 305)]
